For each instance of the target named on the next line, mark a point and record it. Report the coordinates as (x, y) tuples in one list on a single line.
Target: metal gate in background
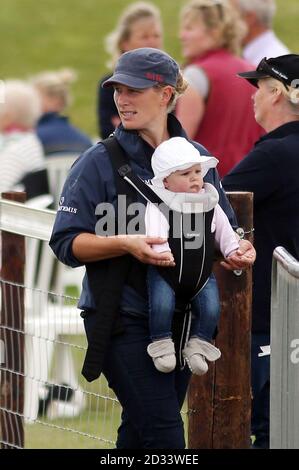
[(284, 375)]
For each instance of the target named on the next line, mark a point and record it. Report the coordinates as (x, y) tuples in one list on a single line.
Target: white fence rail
[(284, 391), (24, 220)]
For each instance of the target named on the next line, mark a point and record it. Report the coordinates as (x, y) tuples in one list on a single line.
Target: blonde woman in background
[(139, 25), (55, 131), (216, 109), (20, 150)]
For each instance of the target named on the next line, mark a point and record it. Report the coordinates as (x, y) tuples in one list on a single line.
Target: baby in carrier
[(191, 220)]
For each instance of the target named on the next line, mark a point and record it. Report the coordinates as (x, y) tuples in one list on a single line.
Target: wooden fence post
[(12, 335), (219, 403)]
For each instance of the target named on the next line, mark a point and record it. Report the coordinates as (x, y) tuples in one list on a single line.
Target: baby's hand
[(242, 258), (234, 255), (168, 255)]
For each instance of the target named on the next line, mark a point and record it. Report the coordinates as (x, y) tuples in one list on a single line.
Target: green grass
[(49, 435), (100, 418), (102, 425), (55, 33)]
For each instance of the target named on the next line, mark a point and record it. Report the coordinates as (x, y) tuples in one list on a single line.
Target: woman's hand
[(140, 247), (243, 258)]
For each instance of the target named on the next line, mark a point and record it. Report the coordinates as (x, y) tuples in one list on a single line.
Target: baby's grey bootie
[(163, 354), (196, 352)]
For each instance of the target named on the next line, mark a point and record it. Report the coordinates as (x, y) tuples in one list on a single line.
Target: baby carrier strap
[(134, 181), (123, 174), (136, 276), (106, 279)]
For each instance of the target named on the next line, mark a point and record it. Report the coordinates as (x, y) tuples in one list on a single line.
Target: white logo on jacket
[(62, 208)]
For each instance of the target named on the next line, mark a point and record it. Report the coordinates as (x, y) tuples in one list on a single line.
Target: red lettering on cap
[(154, 77)]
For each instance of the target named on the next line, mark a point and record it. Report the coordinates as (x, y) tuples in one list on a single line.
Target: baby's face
[(185, 181)]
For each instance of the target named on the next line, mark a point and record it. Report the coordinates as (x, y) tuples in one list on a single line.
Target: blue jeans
[(151, 401), (205, 308)]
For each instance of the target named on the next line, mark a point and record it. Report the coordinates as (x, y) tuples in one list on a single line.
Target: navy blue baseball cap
[(144, 68), (284, 68)]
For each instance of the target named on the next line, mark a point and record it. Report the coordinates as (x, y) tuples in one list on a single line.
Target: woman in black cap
[(270, 171), (147, 83)]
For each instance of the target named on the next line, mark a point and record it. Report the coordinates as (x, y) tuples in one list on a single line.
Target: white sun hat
[(177, 154)]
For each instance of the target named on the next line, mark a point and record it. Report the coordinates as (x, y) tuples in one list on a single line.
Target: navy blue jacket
[(90, 182), (59, 136), (271, 172)]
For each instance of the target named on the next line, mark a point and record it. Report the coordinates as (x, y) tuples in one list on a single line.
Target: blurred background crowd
[(58, 53)]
